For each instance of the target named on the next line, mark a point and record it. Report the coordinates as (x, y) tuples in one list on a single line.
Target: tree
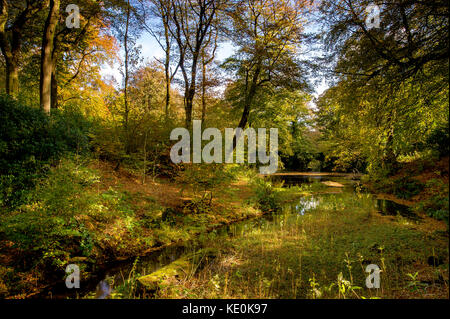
[(77, 55), (27, 31), (47, 61), (129, 20), (15, 17), (207, 58), (161, 9), (268, 34), (385, 79), (412, 35), (191, 24), (76, 48), (127, 62)]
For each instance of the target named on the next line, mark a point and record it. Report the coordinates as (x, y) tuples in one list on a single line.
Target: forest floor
[(296, 259), (431, 175), (324, 254), (123, 218)]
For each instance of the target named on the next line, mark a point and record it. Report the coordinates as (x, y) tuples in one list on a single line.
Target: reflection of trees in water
[(103, 289), (306, 204), (388, 207), (303, 205)]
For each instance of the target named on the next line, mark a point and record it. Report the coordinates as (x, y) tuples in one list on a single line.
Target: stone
[(178, 269), (332, 184)]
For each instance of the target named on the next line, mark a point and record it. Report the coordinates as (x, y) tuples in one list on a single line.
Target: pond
[(116, 276)]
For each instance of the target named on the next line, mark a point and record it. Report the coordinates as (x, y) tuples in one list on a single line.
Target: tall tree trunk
[(249, 98), (127, 111), (163, 8), (191, 91), (54, 91), (186, 90), (54, 84), (204, 12), (47, 62), (189, 106), (205, 63), (167, 92), (389, 162), (203, 87), (12, 77), (248, 102), (167, 69), (10, 51)]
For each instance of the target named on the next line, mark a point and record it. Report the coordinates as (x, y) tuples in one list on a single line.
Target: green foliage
[(388, 104), (439, 140), (378, 110), (267, 197), (403, 187), (30, 141), (170, 216), (321, 254), (199, 205), (406, 187), (207, 177), (414, 284), (47, 225), (58, 220), (71, 130), (437, 204)]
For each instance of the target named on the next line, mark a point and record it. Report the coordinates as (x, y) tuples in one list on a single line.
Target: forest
[(101, 199)]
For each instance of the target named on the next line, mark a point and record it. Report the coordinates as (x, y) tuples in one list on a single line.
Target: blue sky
[(150, 49)]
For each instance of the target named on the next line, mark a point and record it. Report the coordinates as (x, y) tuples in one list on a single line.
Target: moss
[(341, 235), (179, 269)]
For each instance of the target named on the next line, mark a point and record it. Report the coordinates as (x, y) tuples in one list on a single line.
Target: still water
[(116, 276)]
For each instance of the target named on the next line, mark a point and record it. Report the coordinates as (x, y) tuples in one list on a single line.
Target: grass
[(323, 254), (85, 212), (81, 212)]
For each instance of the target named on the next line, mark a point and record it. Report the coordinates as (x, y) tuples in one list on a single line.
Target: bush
[(439, 140), (29, 142), (406, 187), (206, 177), (437, 204), (267, 197), (70, 131), (46, 227)]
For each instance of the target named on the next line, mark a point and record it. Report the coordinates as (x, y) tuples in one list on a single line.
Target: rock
[(332, 184), (178, 269)]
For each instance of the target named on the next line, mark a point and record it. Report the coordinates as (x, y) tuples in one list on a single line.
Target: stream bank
[(121, 281)]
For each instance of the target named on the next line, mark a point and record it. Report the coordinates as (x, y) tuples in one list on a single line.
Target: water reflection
[(293, 180), (387, 207), (103, 290), (302, 206), (306, 204)]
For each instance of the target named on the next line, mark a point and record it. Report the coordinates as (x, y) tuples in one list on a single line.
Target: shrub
[(437, 204), (266, 196), (206, 177), (406, 187), (29, 142), (439, 140), (47, 227)]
